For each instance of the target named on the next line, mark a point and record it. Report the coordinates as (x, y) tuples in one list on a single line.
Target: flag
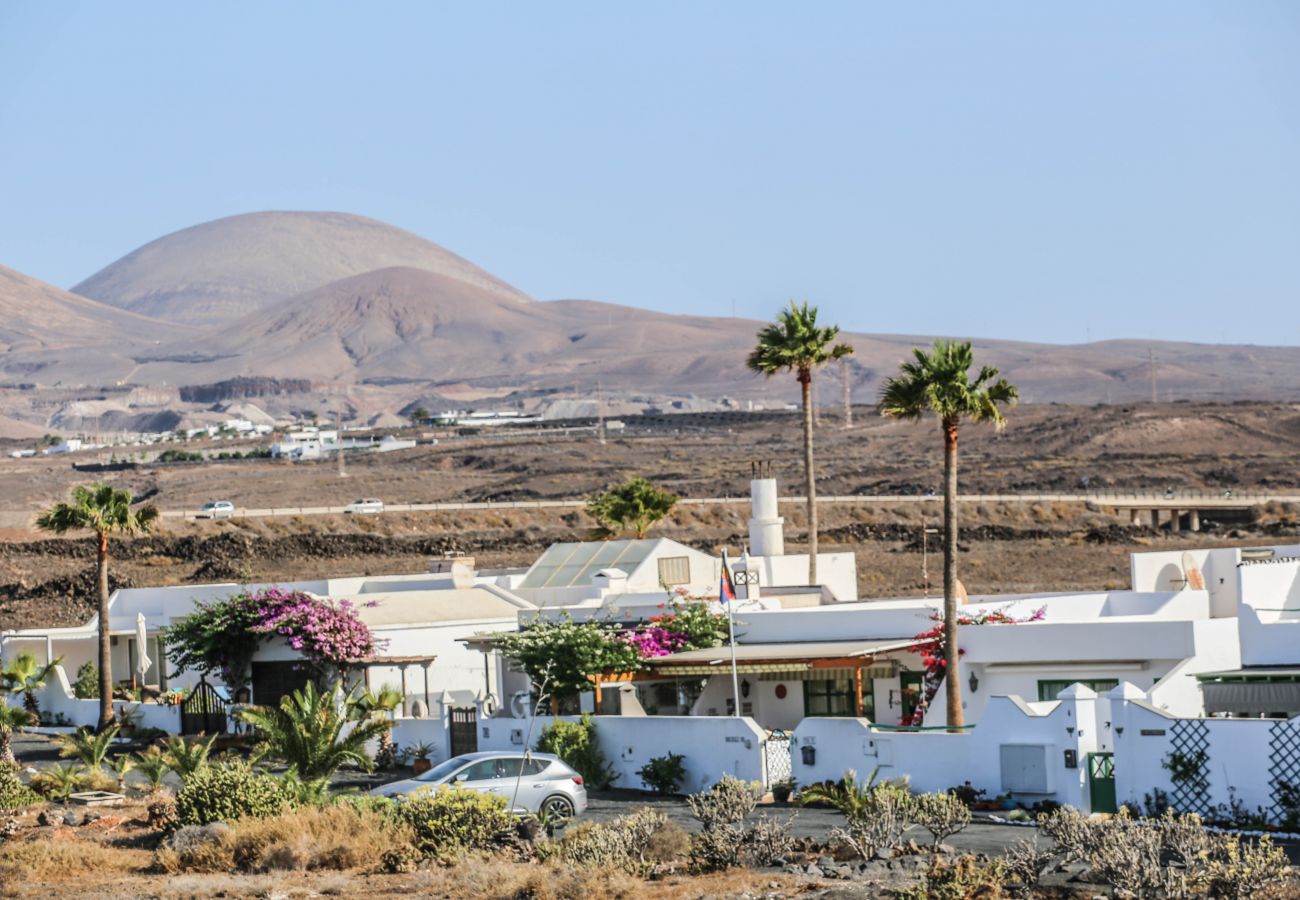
[(726, 591)]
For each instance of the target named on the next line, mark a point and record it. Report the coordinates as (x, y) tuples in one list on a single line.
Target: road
[(1118, 501)]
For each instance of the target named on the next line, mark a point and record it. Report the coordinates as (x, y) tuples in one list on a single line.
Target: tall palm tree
[(938, 381), (105, 510), (795, 343)]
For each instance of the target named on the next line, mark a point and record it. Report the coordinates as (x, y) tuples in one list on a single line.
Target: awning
[(1252, 698), (805, 654)]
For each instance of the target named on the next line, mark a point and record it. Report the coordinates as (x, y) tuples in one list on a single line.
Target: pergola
[(792, 659), (402, 663)]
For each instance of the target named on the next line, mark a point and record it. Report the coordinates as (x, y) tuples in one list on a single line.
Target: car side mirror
[(462, 777)]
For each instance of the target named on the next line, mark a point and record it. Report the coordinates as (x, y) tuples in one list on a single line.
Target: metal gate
[(1101, 782), (777, 765), (464, 730), (203, 712)]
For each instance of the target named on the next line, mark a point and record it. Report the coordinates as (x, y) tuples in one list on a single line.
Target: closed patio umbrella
[(142, 660)]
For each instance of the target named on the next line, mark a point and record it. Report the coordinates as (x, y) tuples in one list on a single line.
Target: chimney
[(766, 528)]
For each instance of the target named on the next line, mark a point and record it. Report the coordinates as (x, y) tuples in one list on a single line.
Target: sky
[(1055, 172)]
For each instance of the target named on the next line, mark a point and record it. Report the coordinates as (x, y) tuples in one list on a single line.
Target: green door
[(1101, 782)]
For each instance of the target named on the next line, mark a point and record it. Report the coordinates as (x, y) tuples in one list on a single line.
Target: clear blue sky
[(1045, 171)]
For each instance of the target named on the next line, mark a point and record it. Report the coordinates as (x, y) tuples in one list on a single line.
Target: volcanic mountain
[(36, 316), (217, 272), (405, 324)]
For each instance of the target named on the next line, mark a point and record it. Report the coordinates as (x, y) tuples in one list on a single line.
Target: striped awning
[(792, 656)]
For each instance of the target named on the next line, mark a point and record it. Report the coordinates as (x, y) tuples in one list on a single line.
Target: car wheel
[(558, 806)]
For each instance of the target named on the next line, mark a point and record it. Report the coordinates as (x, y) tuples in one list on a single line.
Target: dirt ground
[(1246, 447)]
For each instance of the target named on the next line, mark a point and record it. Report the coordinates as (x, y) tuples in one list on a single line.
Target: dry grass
[(68, 860), (336, 837)]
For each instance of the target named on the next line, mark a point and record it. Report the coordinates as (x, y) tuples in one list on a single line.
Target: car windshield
[(442, 770)]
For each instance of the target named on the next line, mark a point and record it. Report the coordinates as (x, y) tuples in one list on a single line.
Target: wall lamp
[(974, 682)]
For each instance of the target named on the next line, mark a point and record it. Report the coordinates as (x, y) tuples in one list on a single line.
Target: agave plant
[(187, 757), (309, 731), (90, 748)]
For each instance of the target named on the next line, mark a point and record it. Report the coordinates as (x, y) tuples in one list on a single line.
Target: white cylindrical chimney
[(766, 528)]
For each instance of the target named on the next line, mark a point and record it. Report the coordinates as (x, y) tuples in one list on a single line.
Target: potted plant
[(781, 790), (128, 719), (422, 752)]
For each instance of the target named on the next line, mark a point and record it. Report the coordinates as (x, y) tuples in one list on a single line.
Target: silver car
[(528, 782)]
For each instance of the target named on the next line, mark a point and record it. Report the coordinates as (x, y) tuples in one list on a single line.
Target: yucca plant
[(185, 757), (308, 730), (87, 746), (152, 764)]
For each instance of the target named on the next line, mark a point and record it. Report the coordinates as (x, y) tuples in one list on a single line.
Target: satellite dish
[(1193, 579)]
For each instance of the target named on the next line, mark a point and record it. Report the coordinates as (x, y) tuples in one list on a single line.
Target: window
[(675, 570), (515, 766), (836, 697), (484, 770), (1047, 690)]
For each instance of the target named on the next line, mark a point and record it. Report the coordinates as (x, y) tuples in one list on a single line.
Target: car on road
[(362, 507), (528, 782), (217, 509)]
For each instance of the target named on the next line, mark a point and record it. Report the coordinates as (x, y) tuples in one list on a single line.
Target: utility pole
[(600, 412), (1151, 362), (925, 556), (338, 425), (848, 403)]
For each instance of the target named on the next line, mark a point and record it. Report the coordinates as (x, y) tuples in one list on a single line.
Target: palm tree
[(309, 733), (938, 381), (24, 675), (12, 718), (795, 343), (185, 757), (88, 747), (634, 506), (104, 510)]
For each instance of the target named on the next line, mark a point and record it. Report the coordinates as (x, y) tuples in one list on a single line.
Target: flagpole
[(731, 634)]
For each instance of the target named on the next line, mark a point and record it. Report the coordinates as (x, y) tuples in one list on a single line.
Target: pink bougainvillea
[(325, 632)]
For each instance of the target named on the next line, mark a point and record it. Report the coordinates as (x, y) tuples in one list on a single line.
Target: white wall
[(938, 760), (1239, 754), (1269, 612), (57, 698), (712, 747)]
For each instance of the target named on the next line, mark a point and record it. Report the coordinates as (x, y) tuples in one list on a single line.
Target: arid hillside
[(1027, 546)]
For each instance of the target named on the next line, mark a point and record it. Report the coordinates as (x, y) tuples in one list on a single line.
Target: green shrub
[(943, 815), (228, 791), (664, 774), (632, 843), (86, 686), (13, 793), (453, 819), (575, 743)]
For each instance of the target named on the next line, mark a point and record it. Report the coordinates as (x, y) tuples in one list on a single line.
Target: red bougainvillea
[(932, 650)]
